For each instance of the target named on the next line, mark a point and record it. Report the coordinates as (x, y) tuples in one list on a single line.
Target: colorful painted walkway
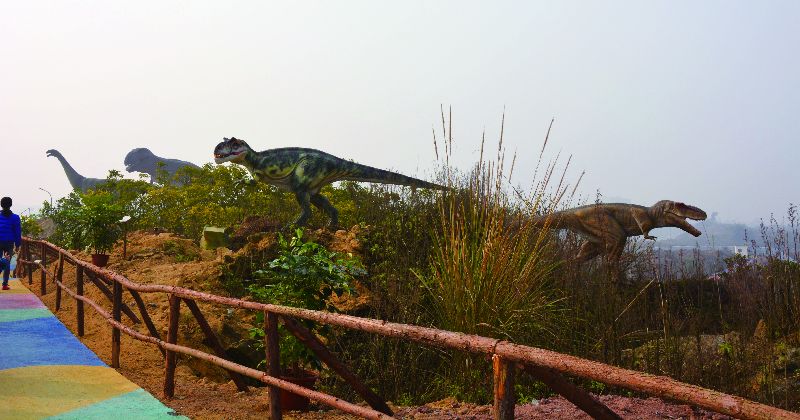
[(46, 372)]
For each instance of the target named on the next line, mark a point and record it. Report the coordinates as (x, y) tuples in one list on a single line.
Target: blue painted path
[(46, 372)]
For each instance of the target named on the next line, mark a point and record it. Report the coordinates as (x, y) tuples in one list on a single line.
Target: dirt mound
[(252, 225)]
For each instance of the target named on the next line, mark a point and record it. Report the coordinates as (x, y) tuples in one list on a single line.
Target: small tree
[(99, 219)]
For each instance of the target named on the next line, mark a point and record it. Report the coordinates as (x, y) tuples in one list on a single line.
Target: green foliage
[(305, 275), (30, 227), (92, 218), (209, 197), (65, 215), (482, 279), (99, 217)]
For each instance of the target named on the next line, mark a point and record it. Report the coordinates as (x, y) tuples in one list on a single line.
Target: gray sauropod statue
[(78, 181), (143, 160)]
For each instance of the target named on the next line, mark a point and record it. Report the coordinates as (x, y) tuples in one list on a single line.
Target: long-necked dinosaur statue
[(78, 181), (143, 160), (606, 226), (305, 171)]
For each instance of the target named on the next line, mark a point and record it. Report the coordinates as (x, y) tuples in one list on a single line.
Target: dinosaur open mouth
[(226, 157), (679, 221)]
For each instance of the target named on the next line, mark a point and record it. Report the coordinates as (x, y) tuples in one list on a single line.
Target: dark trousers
[(5, 262)]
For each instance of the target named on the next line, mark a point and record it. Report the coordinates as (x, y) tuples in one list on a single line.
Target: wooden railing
[(507, 358)]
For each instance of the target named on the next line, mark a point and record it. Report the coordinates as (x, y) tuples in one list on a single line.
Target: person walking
[(10, 237)]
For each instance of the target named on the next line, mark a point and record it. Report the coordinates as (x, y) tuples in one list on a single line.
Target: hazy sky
[(685, 100)]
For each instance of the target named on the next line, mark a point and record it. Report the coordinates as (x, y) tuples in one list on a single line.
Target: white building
[(740, 250)]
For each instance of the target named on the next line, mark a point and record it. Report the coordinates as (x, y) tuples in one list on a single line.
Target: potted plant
[(99, 219), (304, 275)]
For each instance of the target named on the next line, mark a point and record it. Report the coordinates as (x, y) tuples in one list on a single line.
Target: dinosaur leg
[(323, 204), (613, 255), (304, 199), (589, 250), (611, 238)]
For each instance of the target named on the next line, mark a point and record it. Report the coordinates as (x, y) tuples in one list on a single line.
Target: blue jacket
[(10, 229)]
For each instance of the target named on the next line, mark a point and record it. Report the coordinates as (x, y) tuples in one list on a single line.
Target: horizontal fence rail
[(507, 357)]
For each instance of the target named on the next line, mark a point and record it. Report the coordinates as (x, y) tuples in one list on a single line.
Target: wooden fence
[(508, 359)]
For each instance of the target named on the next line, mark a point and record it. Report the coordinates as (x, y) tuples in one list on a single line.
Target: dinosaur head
[(231, 150), (138, 159), (675, 214), (52, 152)]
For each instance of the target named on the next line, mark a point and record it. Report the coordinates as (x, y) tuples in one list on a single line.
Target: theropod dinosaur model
[(143, 160), (305, 171), (606, 227), (78, 181)]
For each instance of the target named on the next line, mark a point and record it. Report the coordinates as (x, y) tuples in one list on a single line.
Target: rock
[(214, 237)]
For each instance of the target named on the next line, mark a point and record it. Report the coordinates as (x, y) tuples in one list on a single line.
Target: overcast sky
[(684, 100)]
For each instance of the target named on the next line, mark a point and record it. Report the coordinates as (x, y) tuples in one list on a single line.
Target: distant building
[(740, 250)]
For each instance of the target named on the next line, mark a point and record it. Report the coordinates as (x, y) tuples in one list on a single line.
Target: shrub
[(30, 226), (304, 275)]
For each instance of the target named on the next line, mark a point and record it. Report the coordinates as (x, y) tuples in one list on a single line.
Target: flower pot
[(100, 260), (294, 402)]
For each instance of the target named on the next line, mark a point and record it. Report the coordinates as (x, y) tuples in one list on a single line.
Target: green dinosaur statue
[(606, 227), (305, 171)]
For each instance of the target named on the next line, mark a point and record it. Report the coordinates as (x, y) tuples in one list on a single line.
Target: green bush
[(30, 226), (304, 275), (99, 218)]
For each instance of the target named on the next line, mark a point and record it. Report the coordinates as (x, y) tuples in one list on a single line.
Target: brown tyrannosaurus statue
[(606, 226)]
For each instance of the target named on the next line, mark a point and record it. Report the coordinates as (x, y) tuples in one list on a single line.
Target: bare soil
[(203, 391)]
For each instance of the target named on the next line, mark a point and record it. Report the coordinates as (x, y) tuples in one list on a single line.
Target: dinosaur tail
[(364, 173), (557, 220)]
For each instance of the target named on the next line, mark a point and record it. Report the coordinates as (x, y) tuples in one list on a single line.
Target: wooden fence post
[(59, 278), (29, 255), (571, 392), (172, 338), (272, 346), (100, 283), (44, 273), (79, 303), (213, 342), (326, 356), (146, 318), (503, 388), (115, 333)]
